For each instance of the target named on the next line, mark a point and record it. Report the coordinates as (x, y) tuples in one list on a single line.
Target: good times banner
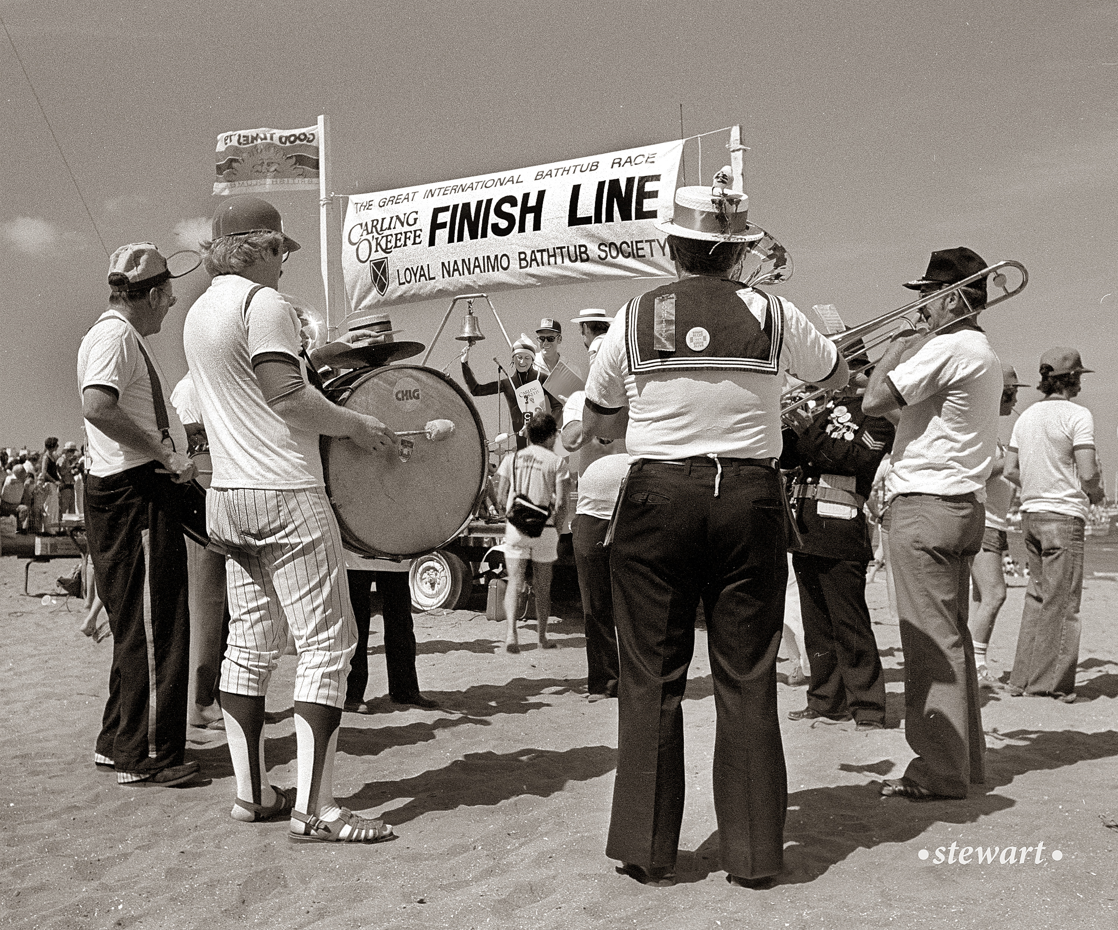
[(250, 160), (562, 223)]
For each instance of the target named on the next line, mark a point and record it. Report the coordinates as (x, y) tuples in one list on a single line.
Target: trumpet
[(859, 340)]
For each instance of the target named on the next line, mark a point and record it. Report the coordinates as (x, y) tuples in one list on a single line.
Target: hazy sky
[(879, 131)]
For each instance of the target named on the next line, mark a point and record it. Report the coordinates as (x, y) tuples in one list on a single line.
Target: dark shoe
[(1069, 698), (594, 696), (658, 878), (169, 777), (71, 584), (864, 725), (809, 714), (906, 788), (415, 700), (755, 884), (797, 678)]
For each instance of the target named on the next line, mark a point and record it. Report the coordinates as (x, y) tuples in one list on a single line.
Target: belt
[(710, 460), (815, 492), (969, 498)]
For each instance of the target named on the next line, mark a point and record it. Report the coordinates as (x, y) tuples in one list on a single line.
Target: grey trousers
[(932, 541)]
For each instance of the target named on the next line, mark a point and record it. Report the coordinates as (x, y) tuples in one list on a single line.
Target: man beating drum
[(268, 512), (371, 346)]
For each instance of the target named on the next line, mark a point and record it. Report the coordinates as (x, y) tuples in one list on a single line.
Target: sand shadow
[(826, 825), (485, 779), (1098, 686)]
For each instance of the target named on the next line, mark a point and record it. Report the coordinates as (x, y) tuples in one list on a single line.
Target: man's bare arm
[(1090, 479), (101, 408)]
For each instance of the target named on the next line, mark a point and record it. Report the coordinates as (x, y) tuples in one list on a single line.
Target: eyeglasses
[(548, 338)]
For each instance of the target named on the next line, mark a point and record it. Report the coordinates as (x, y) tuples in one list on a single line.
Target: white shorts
[(542, 548)]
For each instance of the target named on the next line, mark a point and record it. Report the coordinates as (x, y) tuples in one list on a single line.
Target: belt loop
[(687, 467)]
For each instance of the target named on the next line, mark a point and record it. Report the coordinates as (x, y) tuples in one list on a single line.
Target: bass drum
[(400, 506)]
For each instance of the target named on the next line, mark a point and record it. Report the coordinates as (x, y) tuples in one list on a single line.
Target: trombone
[(860, 339)]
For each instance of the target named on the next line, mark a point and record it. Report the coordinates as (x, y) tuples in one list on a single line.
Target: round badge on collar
[(697, 339)]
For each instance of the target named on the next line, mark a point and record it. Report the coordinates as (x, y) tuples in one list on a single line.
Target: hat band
[(139, 287), (712, 222)]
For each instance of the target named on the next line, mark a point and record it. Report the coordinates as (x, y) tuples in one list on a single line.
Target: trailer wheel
[(439, 579)]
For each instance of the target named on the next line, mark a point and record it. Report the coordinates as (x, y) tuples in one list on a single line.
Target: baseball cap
[(1063, 361), (548, 325), (141, 266), (240, 215)]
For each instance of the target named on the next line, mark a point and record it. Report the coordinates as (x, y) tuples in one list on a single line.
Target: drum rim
[(349, 382)]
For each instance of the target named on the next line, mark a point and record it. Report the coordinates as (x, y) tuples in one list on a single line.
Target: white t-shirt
[(184, 401), (1045, 438), (948, 431), (731, 413), (251, 445), (595, 448), (999, 495), (110, 357), (599, 486)]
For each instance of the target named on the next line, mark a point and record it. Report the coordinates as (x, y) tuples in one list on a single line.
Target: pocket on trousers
[(646, 498)]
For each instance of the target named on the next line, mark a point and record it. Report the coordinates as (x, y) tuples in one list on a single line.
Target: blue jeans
[(1048, 644), (932, 541)]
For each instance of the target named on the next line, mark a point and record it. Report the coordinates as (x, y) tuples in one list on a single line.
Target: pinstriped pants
[(285, 569)]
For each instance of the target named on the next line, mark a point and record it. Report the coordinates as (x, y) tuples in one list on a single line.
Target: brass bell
[(471, 331)]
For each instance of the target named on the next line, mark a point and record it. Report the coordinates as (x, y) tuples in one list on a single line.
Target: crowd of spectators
[(38, 485)]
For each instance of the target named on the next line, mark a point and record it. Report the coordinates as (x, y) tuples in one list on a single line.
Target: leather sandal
[(247, 812), (347, 827)]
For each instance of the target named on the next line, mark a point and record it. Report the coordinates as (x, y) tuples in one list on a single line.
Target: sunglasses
[(548, 338)]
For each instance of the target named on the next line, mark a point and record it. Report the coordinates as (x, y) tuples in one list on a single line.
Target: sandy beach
[(501, 798)]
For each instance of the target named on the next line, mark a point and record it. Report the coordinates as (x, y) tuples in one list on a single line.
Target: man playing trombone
[(948, 394)]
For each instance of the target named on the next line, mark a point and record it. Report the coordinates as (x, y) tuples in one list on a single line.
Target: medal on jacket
[(664, 324)]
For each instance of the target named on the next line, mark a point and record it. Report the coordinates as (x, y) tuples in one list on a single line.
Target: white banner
[(562, 223), (251, 160)]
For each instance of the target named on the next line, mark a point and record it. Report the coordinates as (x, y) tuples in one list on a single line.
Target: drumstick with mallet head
[(435, 430)]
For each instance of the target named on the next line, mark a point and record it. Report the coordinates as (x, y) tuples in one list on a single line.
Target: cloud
[(33, 235), (189, 232)]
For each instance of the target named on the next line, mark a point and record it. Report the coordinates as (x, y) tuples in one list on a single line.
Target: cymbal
[(344, 355)]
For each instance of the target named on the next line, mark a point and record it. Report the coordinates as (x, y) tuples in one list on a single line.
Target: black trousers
[(139, 563), (399, 633), (592, 562), (846, 674), (676, 541)]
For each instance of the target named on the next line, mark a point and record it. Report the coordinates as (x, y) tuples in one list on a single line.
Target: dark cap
[(1062, 361), (549, 326), (951, 265), (237, 216)]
